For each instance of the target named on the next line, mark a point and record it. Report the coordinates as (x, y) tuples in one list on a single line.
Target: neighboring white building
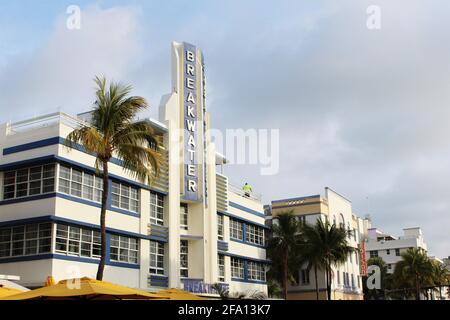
[(347, 280), (189, 229), (390, 248)]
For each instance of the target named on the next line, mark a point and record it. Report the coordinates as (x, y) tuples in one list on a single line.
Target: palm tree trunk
[(285, 275), (317, 284), (328, 276), (417, 288), (101, 265)]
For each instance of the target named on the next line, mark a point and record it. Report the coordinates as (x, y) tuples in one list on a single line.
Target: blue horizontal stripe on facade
[(31, 145), (238, 206), (49, 256), (70, 198), (242, 219), (222, 245), (57, 219), (248, 281), (248, 243), (229, 254)]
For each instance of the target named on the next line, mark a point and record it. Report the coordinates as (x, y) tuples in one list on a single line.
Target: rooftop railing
[(252, 195), (45, 121)]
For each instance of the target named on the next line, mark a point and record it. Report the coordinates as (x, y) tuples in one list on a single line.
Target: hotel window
[(25, 240), (357, 258), (77, 241), (388, 251), (29, 181), (354, 234), (125, 197), (124, 249), (236, 230), (184, 216), (237, 268), (221, 264), (156, 209), (256, 271), (305, 276), (359, 281), (350, 257), (301, 219), (220, 226), (389, 266), (338, 277), (156, 258), (353, 280), (373, 253), (184, 256), (397, 252), (255, 234), (80, 184)]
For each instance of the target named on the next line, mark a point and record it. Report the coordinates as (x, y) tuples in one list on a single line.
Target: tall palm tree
[(113, 131), (283, 246), (415, 269), (325, 246)]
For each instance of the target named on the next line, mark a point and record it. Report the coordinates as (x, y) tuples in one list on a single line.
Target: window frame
[(157, 258), (156, 209)]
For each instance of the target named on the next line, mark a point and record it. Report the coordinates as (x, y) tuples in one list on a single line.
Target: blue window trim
[(238, 206), (62, 160), (52, 218)]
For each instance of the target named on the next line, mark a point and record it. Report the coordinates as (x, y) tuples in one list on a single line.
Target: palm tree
[(113, 131), (415, 269), (440, 276), (283, 246), (325, 246)]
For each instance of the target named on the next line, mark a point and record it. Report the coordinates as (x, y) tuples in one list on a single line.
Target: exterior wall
[(412, 238)]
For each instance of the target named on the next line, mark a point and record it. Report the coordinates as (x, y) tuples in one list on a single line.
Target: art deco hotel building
[(188, 229)]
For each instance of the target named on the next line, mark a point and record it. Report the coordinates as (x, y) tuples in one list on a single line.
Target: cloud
[(59, 73)]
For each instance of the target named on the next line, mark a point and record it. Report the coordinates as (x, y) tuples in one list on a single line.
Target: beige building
[(346, 282)]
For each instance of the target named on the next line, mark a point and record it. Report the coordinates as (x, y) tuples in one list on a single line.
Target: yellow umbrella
[(5, 292), (49, 282), (177, 294), (84, 288)]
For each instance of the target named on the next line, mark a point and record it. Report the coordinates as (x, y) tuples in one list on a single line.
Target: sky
[(362, 111)]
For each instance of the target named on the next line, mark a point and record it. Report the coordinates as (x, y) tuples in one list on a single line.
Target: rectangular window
[(25, 240), (237, 268), (184, 256), (220, 226), (397, 252), (125, 197), (388, 251), (184, 216), (29, 181), (338, 277), (359, 281), (353, 280), (80, 184), (256, 271), (75, 241), (124, 249), (236, 229), (354, 234), (373, 254), (156, 209), (221, 265), (156, 258), (305, 276), (255, 234)]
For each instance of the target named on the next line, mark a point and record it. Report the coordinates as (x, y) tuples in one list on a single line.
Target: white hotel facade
[(189, 229)]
